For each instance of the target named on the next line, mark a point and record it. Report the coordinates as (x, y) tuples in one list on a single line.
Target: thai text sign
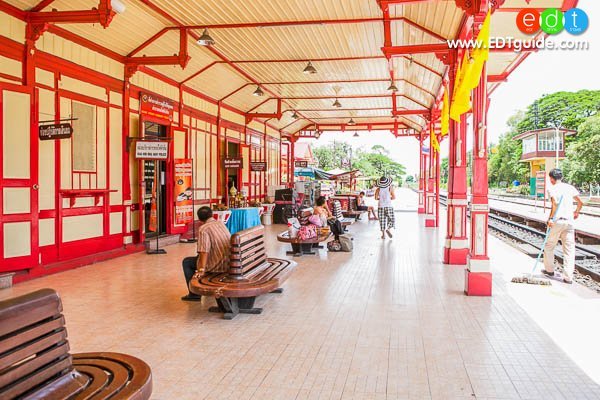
[(151, 150), (184, 195), (55, 131), (156, 106), (301, 164), (232, 163), (258, 166), (540, 183)]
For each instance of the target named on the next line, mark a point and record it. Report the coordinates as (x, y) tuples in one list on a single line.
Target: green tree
[(582, 165), (444, 170), (330, 156), (504, 165), (568, 109)]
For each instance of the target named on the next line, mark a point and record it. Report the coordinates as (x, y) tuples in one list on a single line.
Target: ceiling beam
[(41, 5), (101, 14)]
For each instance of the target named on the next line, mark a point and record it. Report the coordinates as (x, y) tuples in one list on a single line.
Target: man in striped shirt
[(213, 250)]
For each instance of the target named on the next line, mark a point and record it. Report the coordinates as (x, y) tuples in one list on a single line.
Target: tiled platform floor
[(388, 321)]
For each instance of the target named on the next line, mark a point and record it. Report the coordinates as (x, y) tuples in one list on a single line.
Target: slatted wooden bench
[(35, 362), (250, 274)]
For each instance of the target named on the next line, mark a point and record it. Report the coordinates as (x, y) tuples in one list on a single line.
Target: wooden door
[(19, 230)]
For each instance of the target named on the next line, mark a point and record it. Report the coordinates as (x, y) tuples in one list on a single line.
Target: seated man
[(213, 250), (362, 206)]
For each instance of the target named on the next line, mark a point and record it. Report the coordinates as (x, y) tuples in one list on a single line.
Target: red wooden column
[(430, 189), (291, 153), (478, 276), (422, 187), (456, 248)]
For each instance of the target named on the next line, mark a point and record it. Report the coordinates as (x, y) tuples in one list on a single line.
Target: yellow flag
[(435, 145), (461, 98), (445, 113), (479, 55)]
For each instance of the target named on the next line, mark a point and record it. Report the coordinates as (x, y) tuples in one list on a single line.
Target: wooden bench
[(301, 247), (250, 274), (35, 362)]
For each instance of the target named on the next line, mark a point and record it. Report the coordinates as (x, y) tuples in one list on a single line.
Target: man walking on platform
[(561, 223), (213, 250)]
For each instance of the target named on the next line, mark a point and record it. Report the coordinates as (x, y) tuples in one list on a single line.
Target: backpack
[(346, 243), (336, 228)]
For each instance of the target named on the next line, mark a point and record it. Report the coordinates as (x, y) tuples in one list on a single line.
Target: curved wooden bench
[(250, 274), (35, 362)]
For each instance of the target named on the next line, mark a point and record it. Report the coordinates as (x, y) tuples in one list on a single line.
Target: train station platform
[(388, 321)]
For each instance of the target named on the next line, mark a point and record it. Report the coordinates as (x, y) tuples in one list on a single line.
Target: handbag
[(307, 232)]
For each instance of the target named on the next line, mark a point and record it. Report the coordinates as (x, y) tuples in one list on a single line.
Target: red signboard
[(184, 195), (301, 164), (156, 107)]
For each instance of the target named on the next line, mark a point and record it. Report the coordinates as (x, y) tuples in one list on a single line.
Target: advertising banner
[(157, 107), (184, 195)]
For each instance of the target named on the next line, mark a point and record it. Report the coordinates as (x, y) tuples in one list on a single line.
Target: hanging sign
[(184, 195), (258, 166), (151, 150), (55, 131), (156, 106), (232, 163), (301, 164)]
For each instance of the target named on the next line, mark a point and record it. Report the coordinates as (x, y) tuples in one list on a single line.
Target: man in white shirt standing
[(561, 223)]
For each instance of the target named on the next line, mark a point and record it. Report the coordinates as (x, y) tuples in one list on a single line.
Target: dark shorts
[(362, 208)]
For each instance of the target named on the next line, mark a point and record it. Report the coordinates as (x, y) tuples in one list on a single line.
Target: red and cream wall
[(68, 202)]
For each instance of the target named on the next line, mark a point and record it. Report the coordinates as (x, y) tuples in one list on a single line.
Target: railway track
[(529, 240)]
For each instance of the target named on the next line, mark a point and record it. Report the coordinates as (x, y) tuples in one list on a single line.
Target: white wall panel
[(17, 239), (82, 227)]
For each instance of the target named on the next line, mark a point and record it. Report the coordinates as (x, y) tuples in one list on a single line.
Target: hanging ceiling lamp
[(206, 39), (355, 134), (258, 92), (117, 6), (309, 69), (393, 87), (295, 115), (351, 122), (337, 103)]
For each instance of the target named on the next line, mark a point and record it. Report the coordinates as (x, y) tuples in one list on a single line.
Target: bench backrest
[(247, 251), (33, 343)]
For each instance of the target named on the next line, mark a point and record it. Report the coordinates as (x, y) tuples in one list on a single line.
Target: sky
[(542, 72)]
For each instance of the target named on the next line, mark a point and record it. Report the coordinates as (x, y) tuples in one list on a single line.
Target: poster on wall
[(155, 106), (184, 195)]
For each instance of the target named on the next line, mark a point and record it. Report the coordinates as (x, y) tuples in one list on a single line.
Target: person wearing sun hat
[(385, 210)]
